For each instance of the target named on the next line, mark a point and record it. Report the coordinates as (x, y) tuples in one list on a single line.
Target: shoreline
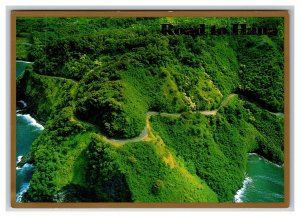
[(238, 196), (248, 180), (31, 121), (24, 61), (267, 160), (26, 167)]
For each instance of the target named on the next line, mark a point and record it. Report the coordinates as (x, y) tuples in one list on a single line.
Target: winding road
[(146, 131)]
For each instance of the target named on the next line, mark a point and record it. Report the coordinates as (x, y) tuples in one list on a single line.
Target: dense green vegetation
[(23, 44), (96, 78), (122, 174), (260, 77), (57, 92), (215, 147), (57, 154)]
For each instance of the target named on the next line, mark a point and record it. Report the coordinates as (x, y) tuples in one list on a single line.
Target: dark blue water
[(27, 130)]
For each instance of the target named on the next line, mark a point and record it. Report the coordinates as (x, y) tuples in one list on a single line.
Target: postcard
[(150, 109)]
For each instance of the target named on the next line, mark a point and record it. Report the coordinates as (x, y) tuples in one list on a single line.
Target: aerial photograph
[(149, 109)]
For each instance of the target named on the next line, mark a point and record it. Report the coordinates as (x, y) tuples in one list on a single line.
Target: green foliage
[(45, 95), (152, 179), (101, 100), (270, 126), (261, 71), (103, 174), (164, 69), (219, 60), (96, 76), (216, 146), (77, 69), (191, 138), (64, 124), (59, 156), (23, 45)]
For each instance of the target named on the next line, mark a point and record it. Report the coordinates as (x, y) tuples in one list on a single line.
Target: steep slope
[(92, 89)]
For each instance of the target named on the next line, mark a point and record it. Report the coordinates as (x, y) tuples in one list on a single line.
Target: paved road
[(145, 133)]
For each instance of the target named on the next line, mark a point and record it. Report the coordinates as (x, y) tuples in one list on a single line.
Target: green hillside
[(196, 105)]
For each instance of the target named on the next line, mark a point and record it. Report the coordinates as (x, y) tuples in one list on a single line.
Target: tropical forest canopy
[(94, 80)]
